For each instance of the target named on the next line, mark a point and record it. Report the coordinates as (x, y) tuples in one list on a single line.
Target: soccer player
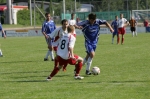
[(115, 27), (65, 54), (1, 29), (90, 29), (122, 23), (133, 24), (146, 25), (57, 34), (47, 28)]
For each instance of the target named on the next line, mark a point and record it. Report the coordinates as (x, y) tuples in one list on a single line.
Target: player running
[(90, 29)]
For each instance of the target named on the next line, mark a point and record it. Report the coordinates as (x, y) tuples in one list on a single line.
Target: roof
[(4, 7)]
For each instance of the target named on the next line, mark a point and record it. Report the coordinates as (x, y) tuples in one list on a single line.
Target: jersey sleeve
[(82, 23), (43, 27), (54, 33), (101, 21), (72, 41)]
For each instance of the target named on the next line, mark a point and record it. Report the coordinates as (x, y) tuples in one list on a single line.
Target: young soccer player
[(115, 27), (90, 29), (47, 28), (133, 24), (122, 23), (65, 54), (57, 34)]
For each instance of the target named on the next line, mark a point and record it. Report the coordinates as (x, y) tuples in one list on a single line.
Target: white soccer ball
[(95, 70)]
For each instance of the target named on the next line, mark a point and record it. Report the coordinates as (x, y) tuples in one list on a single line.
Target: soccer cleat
[(45, 59), (88, 72), (78, 77), (64, 70), (74, 71), (49, 78)]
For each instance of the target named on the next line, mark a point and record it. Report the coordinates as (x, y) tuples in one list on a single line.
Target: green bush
[(23, 17)]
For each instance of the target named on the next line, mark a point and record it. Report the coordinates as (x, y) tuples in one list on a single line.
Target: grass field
[(125, 70)]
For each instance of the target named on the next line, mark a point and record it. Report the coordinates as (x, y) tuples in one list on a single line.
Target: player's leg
[(78, 65), (50, 50), (118, 38), (86, 58), (56, 69), (113, 35)]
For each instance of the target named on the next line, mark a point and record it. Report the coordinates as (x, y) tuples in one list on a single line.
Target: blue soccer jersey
[(48, 27), (91, 31), (0, 27), (114, 24)]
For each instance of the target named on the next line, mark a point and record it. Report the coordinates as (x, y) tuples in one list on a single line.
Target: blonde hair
[(70, 29)]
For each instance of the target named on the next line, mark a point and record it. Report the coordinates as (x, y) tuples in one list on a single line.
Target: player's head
[(121, 15), (72, 15), (48, 16), (70, 29), (116, 17), (64, 23), (92, 18)]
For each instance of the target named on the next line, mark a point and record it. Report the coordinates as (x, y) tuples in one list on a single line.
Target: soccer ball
[(95, 70)]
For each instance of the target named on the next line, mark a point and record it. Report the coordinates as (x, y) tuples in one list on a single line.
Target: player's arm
[(109, 26), (126, 23), (71, 46), (43, 31), (4, 33)]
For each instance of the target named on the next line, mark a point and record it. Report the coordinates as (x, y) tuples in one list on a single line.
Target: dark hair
[(47, 13), (92, 16), (64, 20), (72, 14)]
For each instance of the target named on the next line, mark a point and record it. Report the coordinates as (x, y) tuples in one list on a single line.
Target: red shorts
[(121, 31), (55, 48), (68, 61)]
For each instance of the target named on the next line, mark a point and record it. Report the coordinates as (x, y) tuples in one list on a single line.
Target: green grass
[(125, 70)]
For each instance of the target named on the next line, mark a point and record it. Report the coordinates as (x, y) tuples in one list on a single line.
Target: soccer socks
[(84, 61), (78, 68), (89, 62), (122, 40), (47, 54), (55, 62), (54, 72), (51, 54), (118, 39), (132, 34), (112, 40)]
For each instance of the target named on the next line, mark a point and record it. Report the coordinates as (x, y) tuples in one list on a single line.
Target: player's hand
[(111, 30), (72, 57)]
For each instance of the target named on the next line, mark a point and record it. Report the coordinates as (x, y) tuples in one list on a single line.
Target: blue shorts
[(90, 47), (115, 32), (49, 42)]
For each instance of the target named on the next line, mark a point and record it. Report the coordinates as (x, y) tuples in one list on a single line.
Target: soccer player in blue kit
[(90, 29), (47, 28), (114, 24)]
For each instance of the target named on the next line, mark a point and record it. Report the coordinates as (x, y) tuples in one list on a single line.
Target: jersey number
[(62, 46)]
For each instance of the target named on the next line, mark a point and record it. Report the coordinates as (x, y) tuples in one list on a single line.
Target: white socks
[(49, 53), (89, 62)]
